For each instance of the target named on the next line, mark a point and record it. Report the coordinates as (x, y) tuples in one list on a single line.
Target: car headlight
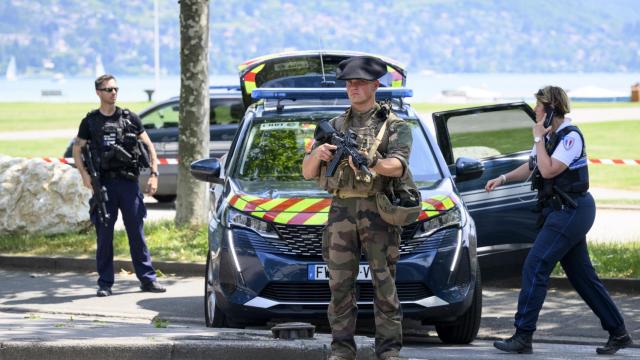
[(238, 218), (453, 217)]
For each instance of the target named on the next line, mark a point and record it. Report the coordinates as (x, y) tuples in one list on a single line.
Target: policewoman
[(558, 168), (356, 225), (115, 137)]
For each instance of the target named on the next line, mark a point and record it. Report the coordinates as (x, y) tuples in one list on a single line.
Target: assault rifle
[(98, 202), (346, 146)]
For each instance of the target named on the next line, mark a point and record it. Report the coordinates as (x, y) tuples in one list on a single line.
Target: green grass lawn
[(165, 241), (613, 260), (34, 148), (605, 140), (29, 116), (613, 140)]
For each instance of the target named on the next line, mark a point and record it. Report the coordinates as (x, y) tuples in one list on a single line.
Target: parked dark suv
[(161, 123), (264, 259)]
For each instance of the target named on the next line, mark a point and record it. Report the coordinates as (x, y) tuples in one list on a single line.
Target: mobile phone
[(548, 109)]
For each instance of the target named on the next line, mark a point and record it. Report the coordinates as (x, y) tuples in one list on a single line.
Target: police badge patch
[(568, 142)]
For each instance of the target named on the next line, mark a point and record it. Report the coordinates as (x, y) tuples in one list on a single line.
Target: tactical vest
[(575, 178), (115, 146), (345, 180)]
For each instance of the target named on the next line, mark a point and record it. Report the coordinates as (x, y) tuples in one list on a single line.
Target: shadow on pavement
[(187, 308)]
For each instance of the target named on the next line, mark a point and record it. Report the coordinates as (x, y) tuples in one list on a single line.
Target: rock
[(41, 197)]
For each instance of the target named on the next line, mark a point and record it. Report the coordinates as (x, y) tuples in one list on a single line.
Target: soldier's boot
[(392, 355), (520, 343), (614, 344), (338, 357)]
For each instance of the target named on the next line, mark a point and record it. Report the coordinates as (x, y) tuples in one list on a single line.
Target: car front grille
[(306, 241), (320, 292)]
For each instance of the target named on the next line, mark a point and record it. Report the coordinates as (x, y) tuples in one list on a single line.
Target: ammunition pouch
[(400, 204), (347, 181)]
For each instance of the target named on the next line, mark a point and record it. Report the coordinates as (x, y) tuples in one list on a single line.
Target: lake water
[(426, 87)]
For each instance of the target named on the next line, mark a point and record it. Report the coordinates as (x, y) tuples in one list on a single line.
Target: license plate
[(321, 272)]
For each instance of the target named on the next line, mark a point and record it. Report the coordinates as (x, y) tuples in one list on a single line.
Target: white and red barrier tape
[(614, 161), (161, 161), (173, 161)]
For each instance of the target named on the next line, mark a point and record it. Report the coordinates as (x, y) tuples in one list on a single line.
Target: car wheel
[(165, 198), (465, 328), (214, 317)]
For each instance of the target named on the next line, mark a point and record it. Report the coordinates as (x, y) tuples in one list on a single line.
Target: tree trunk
[(192, 200)]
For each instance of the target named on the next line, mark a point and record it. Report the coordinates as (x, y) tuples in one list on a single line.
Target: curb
[(53, 338), (59, 264), (617, 207), (626, 286), (197, 347)]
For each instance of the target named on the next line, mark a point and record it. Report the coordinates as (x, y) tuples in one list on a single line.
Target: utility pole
[(156, 45)]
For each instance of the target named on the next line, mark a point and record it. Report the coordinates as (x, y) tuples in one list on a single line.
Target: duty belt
[(558, 202)]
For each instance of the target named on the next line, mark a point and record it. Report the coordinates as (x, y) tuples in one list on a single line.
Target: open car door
[(500, 138), (305, 69)]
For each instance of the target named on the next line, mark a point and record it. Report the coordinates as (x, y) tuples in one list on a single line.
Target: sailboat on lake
[(11, 70), (99, 71)]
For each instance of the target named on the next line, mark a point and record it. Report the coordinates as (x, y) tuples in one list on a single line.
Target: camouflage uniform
[(355, 227)]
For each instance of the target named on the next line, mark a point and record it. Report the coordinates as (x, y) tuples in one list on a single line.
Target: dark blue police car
[(264, 259)]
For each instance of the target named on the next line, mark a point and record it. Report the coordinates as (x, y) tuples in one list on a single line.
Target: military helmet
[(405, 212)]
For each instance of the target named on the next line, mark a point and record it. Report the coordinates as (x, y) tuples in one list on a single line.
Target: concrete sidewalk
[(45, 336), (58, 314)]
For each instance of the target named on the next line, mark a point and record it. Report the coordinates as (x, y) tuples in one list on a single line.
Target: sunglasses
[(110, 89)]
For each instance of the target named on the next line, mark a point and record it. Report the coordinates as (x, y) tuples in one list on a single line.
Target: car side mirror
[(207, 170), (468, 169)]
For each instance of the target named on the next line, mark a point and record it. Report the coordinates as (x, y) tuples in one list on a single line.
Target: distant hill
[(67, 36)]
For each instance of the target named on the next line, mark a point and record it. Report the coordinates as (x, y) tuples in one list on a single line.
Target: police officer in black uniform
[(115, 137), (558, 166)]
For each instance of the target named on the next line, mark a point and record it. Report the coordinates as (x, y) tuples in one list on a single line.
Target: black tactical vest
[(115, 145), (575, 178)]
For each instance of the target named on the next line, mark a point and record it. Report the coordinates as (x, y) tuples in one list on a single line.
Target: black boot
[(519, 343), (614, 344)]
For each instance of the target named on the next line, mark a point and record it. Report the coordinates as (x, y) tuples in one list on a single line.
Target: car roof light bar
[(225, 87), (324, 93)]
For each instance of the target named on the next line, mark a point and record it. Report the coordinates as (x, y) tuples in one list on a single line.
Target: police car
[(265, 259)]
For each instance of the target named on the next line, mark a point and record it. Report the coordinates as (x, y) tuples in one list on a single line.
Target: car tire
[(465, 329), (165, 198), (214, 317)]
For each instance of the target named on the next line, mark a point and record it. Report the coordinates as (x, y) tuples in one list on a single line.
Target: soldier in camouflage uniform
[(354, 225)]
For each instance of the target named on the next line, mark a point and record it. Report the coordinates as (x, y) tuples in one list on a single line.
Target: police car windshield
[(274, 149)]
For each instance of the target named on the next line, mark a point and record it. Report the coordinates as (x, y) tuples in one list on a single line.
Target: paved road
[(63, 306), (485, 350)]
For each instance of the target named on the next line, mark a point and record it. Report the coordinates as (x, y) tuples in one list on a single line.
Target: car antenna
[(324, 82)]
